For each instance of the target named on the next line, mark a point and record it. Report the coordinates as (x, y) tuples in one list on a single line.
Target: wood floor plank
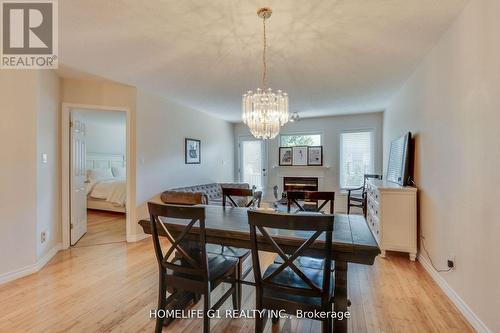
[(104, 286)]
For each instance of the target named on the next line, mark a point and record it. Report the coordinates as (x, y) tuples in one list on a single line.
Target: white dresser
[(392, 216)]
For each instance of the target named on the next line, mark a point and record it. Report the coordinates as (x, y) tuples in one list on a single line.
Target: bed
[(106, 185)]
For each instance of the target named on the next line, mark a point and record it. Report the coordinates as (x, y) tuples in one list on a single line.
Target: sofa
[(207, 194)]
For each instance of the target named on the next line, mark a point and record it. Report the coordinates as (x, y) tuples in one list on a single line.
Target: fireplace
[(300, 184)]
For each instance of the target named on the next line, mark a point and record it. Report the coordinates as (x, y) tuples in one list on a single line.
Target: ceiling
[(332, 57)]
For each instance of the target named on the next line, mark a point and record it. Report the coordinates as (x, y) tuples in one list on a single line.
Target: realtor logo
[(29, 34)]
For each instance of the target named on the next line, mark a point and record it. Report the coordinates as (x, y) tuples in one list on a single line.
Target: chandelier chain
[(264, 61)]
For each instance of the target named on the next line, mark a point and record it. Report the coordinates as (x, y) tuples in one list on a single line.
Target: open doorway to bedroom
[(95, 167)]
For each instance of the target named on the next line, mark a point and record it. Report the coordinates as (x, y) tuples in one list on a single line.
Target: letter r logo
[(27, 27)]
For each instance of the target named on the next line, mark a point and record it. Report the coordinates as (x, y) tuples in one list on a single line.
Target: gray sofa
[(211, 194)]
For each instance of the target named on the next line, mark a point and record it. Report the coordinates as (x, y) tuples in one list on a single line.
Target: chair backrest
[(293, 197), (181, 262), (316, 225), (229, 193)]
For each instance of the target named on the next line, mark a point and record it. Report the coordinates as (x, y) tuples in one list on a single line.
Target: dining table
[(353, 242)]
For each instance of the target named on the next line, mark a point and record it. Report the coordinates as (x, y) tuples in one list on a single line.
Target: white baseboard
[(137, 237), (49, 255), (469, 315), (30, 269)]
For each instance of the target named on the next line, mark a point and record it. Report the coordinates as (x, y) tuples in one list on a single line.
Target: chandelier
[(265, 111)]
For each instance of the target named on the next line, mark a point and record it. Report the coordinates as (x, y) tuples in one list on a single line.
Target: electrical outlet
[(43, 237), (451, 262)]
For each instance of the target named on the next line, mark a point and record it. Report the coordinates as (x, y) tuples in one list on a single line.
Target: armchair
[(356, 197)]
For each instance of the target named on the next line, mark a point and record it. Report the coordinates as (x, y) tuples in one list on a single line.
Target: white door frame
[(65, 168)]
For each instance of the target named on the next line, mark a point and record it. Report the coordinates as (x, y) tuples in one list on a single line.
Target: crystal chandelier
[(265, 111)]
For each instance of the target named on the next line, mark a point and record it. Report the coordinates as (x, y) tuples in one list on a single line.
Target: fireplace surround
[(300, 184)]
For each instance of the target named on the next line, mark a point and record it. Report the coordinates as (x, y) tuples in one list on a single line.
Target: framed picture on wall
[(299, 155), (192, 151), (315, 155), (285, 155)]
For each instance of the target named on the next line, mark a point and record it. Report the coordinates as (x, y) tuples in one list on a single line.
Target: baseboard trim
[(30, 269), (137, 237), (467, 312), (49, 255)]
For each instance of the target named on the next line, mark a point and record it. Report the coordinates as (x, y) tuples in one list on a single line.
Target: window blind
[(356, 157)]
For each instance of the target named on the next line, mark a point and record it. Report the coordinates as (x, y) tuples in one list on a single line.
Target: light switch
[(44, 158)]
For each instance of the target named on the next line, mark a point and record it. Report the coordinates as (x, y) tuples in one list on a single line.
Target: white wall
[(48, 174), (29, 194), (331, 128), (106, 132), (162, 127), (452, 104), (18, 190)]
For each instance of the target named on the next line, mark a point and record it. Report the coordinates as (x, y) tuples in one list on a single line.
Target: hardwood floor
[(112, 288), (103, 227)]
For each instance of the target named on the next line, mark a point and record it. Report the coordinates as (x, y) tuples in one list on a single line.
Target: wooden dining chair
[(288, 286), (229, 193), (191, 199), (183, 267), (356, 197), (242, 254), (295, 197)]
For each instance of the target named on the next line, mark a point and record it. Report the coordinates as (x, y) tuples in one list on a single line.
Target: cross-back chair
[(288, 286), (191, 199), (229, 193), (295, 197), (185, 265)]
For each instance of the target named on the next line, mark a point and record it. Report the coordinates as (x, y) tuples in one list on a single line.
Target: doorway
[(96, 184), (252, 162)]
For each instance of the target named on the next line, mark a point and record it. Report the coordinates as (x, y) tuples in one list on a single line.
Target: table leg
[(181, 298), (340, 302)]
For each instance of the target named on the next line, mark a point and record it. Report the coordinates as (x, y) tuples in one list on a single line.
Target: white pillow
[(119, 172), (95, 175)]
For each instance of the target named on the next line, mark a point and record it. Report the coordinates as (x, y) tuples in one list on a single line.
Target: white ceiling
[(332, 57)]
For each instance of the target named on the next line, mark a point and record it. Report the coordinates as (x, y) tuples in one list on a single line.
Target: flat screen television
[(398, 169)]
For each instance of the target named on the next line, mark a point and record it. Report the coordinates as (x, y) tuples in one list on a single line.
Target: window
[(290, 140), (356, 157)]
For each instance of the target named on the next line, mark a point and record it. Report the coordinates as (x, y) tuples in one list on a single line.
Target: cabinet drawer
[(376, 228), (376, 233), (373, 193), (374, 207), (374, 224)]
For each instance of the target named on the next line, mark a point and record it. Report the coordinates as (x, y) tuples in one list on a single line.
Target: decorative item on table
[(299, 155), (315, 155), (192, 151), (285, 155), (265, 207)]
